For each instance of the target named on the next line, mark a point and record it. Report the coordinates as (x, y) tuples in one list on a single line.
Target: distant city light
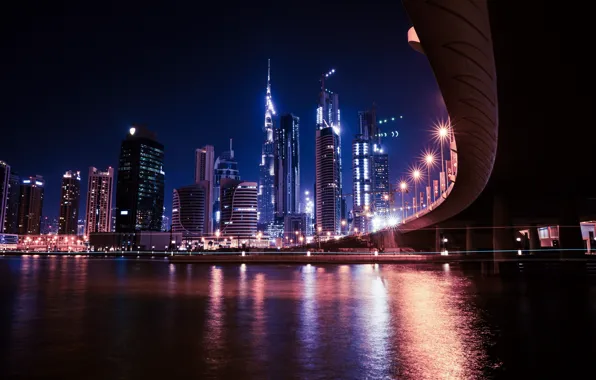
[(132, 131)]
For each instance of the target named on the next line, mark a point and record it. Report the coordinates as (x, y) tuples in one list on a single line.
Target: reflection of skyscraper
[(238, 208), (204, 171), (328, 184), (140, 185), (225, 167), (287, 165), (11, 220), (4, 186), (31, 205), (70, 196), (99, 201), (267, 167)]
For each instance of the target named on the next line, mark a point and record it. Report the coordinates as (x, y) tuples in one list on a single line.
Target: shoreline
[(302, 258)]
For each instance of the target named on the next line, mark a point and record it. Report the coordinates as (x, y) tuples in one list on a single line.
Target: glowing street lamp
[(429, 160), (403, 187), (416, 176), (441, 134)]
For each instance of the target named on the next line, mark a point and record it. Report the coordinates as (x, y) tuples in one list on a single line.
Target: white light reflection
[(308, 328), (214, 340), (437, 337), (259, 321)]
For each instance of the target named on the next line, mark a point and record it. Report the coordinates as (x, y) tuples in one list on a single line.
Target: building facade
[(190, 214), (287, 165), (99, 201), (140, 184), (381, 189), (204, 171), (266, 196), (70, 196), (11, 218), (328, 181), (226, 166), (4, 188), (239, 208), (30, 205)]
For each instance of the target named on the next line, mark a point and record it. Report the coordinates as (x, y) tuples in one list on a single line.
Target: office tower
[(204, 171), (11, 219), (45, 226), (287, 165), (70, 196), (267, 166), (381, 191), (238, 208), (30, 205), (361, 182), (189, 209), (225, 167), (140, 183), (99, 201), (80, 227), (4, 186), (328, 163)]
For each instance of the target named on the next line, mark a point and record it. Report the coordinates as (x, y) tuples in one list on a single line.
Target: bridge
[(518, 87)]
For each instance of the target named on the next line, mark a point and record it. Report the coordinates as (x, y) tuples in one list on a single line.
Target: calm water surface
[(77, 318)]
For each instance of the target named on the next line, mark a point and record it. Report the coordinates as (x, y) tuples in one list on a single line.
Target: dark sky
[(76, 75)]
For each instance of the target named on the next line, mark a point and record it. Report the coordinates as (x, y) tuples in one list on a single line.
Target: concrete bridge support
[(534, 238), (502, 228), (570, 235)]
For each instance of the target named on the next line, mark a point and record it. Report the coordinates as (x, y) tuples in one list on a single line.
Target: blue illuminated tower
[(266, 191)]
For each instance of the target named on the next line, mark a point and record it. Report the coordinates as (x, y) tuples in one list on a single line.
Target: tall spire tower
[(266, 199)]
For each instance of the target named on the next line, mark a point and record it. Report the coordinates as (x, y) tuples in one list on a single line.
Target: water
[(77, 318)]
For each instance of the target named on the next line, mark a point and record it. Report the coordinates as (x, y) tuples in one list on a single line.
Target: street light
[(416, 174), (429, 160), (441, 134), (403, 187)]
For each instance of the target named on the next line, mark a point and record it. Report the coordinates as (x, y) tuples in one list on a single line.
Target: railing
[(430, 207)]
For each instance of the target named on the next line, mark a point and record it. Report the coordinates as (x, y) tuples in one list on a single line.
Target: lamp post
[(416, 177), (429, 160), (403, 187), (441, 133), (319, 229)]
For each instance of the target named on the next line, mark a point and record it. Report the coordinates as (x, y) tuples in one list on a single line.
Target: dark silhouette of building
[(30, 205), (190, 214), (140, 183), (4, 186), (238, 208), (70, 197), (11, 219), (287, 165)]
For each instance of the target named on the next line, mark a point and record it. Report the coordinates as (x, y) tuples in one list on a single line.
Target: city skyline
[(400, 82)]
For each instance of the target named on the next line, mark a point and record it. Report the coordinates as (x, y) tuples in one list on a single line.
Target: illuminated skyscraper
[(238, 208), (287, 165), (328, 183), (11, 219), (99, 201), (226, 166), (70, 197), (204, 171), (4, 188), (266, 195), (31, 205), (189, 209), (140, 184)]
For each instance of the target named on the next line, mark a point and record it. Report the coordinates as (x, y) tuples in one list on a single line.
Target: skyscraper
[(328, 185), (267, 166), (381, 195), (238, 208), (4, 186), (30, 205), (287, 165), (70, 197), (99, 201), (362, 169), (225, 167), (140, 184), (11, 220), (204, 171), (189, 209)]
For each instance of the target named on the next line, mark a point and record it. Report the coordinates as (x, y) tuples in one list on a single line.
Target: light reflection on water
[(128, 319)]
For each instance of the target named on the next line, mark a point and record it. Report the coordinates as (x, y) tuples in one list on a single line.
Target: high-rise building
[(99, 201), (381, 190), (287, 165), (225, 167), (30, 205), (189, 209), (267, 166), (238, 208), (140, 184), (204, 171), (70, 197), (328, 185), (4, 188), (11, 219), (362, 170)]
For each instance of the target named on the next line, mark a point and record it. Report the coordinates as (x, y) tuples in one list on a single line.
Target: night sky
[(76, 75)]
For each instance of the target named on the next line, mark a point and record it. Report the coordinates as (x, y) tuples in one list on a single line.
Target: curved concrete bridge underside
[(519, 89)]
